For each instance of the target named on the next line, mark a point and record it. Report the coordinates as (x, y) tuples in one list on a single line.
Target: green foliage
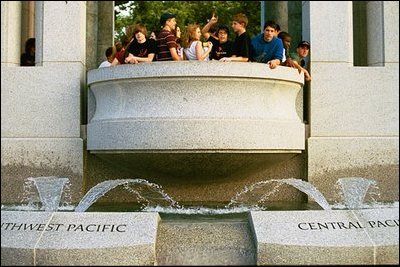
[(149, 12)]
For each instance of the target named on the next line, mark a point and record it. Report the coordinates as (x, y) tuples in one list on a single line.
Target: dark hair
[(213, 29), (272, 24), (109, 51), (283, 35), (223, 27), (166, 16), (30, 43)]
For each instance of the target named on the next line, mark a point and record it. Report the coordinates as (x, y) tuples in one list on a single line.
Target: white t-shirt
[(191, 51), (284, 55), (105, 64)]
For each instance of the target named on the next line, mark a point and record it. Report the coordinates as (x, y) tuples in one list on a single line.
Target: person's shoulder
[(278, 41), (294, 56), (197, 43), (151, 41), (257, 37), (105, 64)]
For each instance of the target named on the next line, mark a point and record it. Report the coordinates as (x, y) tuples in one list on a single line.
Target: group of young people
[(270, 47)]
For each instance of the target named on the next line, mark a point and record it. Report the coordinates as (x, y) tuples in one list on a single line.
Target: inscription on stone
[(88, 228), (346, 225)]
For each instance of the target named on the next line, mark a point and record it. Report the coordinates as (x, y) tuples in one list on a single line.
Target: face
[(222, 36), (303, 51), (178, 32), (236, 26), (269, 33), (286, 42), (153, 36), (140, 37), (197, 34), (171, 23)]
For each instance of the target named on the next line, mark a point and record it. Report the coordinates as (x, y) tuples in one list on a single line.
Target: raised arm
[(206, 29)]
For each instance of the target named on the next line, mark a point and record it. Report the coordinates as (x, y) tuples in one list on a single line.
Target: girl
[(193, 47)]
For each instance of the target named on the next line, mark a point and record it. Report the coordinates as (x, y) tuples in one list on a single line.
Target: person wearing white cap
[(302, 50)]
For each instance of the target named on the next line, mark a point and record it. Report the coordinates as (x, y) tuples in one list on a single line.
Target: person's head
[(192, 33), (239, 23), (286, 39), (30, 47), (168, 19), (118, 46), (110, 53), (122, 43), (213, 30), (140, 32), (153, 35), (303, 48), (178, 32), (278, 29), (270, 30), (223, 33)]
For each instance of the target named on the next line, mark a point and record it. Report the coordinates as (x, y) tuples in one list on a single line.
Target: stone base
[(326, 237), (348, 237), (73, 238)]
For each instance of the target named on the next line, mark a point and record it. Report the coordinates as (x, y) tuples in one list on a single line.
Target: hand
[(225, 59), (214, 19), (131, 59), (273, 63), (307, 76), (289, 62), (128, 58)]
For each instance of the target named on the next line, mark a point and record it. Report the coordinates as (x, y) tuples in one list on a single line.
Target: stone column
[(41, 126), (295, 23), (91, 34), (375, 33), (278, 12), (64, 25), (105, 36), (391, 32), (39, 33), (354, 129), (10, 33), (28, 22)]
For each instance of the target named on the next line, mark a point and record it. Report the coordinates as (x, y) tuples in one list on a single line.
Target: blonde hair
[(190, 35), (241, 18)]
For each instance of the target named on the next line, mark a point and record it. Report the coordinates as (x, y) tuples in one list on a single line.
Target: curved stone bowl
[(195, 118)]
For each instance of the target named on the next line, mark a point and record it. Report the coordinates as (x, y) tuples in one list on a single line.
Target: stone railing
[(195, 107)]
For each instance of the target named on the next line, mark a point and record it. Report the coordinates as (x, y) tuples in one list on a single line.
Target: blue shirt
[(263, 51)]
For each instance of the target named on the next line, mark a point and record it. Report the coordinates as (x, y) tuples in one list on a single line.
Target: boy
[(166, 39), (298, 58), (242, 43), (266, 47)]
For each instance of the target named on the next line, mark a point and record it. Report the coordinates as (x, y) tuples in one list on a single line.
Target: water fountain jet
[(50, 190), (354, 190), (102, 188)]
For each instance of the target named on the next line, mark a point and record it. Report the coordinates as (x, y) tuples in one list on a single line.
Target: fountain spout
[(354, 190), (50, 190)]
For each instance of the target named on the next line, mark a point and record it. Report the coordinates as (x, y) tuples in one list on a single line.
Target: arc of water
[(102, 188), (299, 184)]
